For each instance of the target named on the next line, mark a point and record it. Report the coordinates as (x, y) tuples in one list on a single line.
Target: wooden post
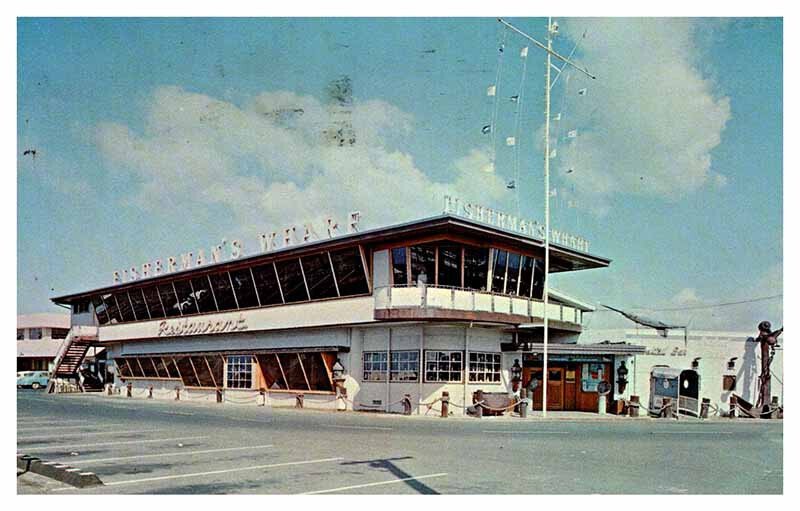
[(130, 389), (177, 393), (732, 404), (299, 401), (445, 404), (407, 404), (150, 392), (633, 407), (704, 408), (219, 395), (523, 404), (774, 406), (479, 403)]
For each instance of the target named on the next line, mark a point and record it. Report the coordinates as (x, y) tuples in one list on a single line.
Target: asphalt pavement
[(166, 447)]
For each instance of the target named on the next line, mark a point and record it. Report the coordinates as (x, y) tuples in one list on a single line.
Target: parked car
[(33, 379)]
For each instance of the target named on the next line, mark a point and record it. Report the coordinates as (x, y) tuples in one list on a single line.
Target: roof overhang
[(584, 349)]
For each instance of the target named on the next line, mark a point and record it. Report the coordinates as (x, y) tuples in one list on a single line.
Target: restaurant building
[(39, 337), (447, 303)]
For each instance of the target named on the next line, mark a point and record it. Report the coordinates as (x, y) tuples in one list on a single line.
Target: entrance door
[(555, 387)]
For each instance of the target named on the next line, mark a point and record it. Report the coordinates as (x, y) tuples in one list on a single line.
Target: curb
[(58, 471)]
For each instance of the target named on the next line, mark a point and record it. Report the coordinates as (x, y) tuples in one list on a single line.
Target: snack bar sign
[(267, 242)]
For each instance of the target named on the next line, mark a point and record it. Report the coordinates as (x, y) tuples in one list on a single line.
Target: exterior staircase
[(70, 357)]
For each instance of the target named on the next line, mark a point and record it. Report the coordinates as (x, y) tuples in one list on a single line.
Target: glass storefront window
[(202, 294), (374, 366), (221, 284), (153, 301), (423, 264), (244, 288), (449, 266), (125, 308), (525, 276), (319, 276), (291, 280), (484, 367), (399, 267), (139, 304), (267, 284), (169, 300), (499, 270), (239, 372), (443, 366), (349, 271), (112, 309), (476, 268), (538, 280), (512, 274), (186, 300), (404, 366)]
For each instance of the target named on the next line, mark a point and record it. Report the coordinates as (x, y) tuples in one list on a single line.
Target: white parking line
[(178, 413), (103, 444), (691, 432), (212, 472), (45, 437), (76, 461), (526, 432), (366, 485), (69, 427), (342, 426)]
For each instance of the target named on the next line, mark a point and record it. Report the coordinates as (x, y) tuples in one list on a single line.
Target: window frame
[(393, 372), (233, 361), (472, 367), (382, 369), (437, 370)]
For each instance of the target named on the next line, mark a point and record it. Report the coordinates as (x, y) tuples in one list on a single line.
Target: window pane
[(113, 311), (59, 333), (153, 302), (449, 266), (148, 367), (293, 371), (291, 279), (186, 371), (315, 370), (349, 270), (240, 372), (186, 301), (271, 371), (169, 300), (423, 264), (399, 269), (172, 369), (244, 288), (204, 375), (160, 369), (122, 367), (202, 294), (513, 273), (526, 275), (223, 291), (137, 368), (538, 279), (139, 306), (499, 270), (100, 310), (319, 276), (35, 333), (267, 284), (125, 309), (20, 334), (476, 268)]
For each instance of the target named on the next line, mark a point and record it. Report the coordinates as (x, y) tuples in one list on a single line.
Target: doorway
[(555, 386)]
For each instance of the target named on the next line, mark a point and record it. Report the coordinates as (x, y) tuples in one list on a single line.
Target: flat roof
[(562, 258)]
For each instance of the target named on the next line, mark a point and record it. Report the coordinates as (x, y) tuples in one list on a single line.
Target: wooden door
[(527, 374), (555, 388)]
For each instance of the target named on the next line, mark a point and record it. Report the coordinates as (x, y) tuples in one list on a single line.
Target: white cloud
[(650, 120), (269, 164)]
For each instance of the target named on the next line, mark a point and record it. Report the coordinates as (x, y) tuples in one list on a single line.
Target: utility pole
[(552, 29), (768, 341)]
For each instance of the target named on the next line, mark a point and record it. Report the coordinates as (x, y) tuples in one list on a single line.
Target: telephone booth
[(681, 385)]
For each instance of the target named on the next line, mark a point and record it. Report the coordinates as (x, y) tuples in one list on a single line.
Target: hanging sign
[(473, 211), (267, 242)]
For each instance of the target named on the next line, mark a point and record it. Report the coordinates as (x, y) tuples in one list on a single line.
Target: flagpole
[(546, 212)]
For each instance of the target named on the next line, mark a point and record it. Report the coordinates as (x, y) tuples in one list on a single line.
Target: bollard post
[(177, 393), (732, 403), (150, 392), (774, 406), (343, 395), (219, 395), (406, 404), (704, 405), (263, 393), (523, 404), (299, 401), (445, 404), (109, 389), (479, 405), (633, 407), (130, 389)]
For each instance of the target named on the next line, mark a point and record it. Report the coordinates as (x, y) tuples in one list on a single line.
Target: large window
[(319, 276), (100, 310), (374, 366), (423, 264), (350, 272), (449, 266), (484, 367), (512, 274), (240, 372), (404, 366), (525, 276), (538, 280), (297, 371), (59, 333), (169, 300), (244, 288), (476, 268), (202, 294), (291, 280), (499, 270), (223, 292), (186, 301), (112, 309), (125, 309), (399, 266), (267, 284), (35, 333), (443, 366), (139, 304), (153, 301), (20, 334)]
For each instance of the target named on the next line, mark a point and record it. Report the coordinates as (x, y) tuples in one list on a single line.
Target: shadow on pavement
[(387, 464)]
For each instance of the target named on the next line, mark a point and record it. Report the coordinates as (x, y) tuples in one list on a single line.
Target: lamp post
[(552, 29), (622, 377)]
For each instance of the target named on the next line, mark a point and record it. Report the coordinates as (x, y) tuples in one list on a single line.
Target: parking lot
[(164, 447)]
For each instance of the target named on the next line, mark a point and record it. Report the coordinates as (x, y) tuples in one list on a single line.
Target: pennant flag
[(572, 133), (557, 117), (524, 52), (514, 98), (511, 141), (491, 90), (582, 92), (486, 129), (511, 185)]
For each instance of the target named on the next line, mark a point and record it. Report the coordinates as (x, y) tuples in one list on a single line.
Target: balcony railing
[(448, 298)]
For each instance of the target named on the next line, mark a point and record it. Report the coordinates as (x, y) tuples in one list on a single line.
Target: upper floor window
[(59, 333), (20, 334), (34, 333)]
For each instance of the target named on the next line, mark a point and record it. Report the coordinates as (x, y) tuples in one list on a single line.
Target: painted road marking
[(342, 426), (178, 413), (45, 437), (526, 432), (76, 461), (366, 485), (70, 427), (70, 446), (689, 432), (212, 472)]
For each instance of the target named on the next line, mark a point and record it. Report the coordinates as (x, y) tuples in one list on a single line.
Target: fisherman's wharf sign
[(267, 242), (180, 327), (485, 214)]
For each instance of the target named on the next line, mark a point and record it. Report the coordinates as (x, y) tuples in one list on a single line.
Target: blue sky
[(155, 136)]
